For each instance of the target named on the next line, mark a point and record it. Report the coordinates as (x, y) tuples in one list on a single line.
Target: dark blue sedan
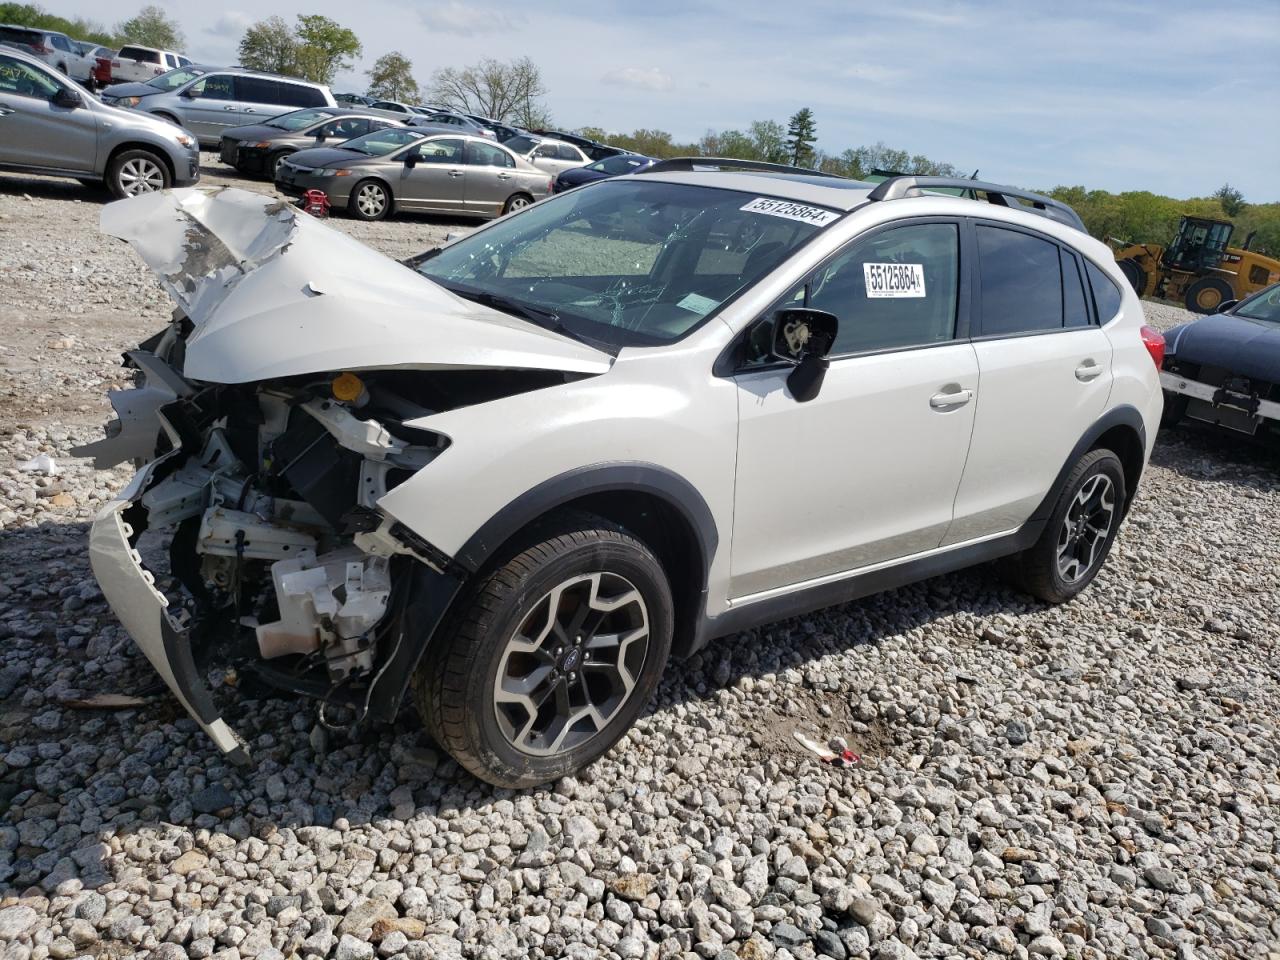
[(601, 170)]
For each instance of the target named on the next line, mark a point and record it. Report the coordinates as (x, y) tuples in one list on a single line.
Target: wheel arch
[(159, 152), (654, 504), (392, 202), (1122, 431)]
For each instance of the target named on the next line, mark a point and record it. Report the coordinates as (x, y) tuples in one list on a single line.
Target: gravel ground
[(1097, 780)]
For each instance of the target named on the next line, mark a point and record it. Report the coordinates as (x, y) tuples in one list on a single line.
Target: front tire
[(273, 163), (551, 655), (369, 200), (1079, 534), (1207, 294), (134, 172)]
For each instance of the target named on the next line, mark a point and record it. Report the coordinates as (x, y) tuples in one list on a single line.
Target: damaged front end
[(262, 461)]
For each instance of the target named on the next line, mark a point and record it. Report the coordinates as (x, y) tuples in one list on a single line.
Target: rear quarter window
[(1106, 295), (298, 95)]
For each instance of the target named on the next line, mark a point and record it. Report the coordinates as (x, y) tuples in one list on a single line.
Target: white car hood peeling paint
[(272, 292)]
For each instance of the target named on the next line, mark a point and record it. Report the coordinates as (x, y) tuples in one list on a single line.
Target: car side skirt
[(795, 601)]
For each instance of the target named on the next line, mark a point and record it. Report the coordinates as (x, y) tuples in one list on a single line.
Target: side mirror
[(1226, 305), (66, 97), (804, 337), (411, 159), (320, 137), (187, 94)]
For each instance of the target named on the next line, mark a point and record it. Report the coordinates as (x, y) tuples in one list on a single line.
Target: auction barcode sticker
[(792, 211), (894, 279)]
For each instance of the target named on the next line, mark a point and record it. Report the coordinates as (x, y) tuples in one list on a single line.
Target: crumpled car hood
[(1249, 348), (272, 292)]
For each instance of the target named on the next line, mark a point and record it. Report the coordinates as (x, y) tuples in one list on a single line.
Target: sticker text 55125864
[(792, 211), (894, 279)]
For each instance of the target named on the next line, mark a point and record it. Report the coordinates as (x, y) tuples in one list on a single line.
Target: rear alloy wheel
[(134, 172), (370, 200), (1079, 533), (1207, 294), (518, 202), (551, 657)]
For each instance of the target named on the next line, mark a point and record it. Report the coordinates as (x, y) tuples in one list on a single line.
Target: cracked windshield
[(628, 263)]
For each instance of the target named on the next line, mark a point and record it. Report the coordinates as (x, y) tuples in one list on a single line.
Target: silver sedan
[(402, 169)]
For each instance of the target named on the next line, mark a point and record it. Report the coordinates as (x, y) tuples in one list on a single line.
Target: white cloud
[(639, 78), (230, 24), (467, 20)]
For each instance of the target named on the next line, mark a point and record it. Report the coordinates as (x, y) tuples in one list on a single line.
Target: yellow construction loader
[(1198, 268)]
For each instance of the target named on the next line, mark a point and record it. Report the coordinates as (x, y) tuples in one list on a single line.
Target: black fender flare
[(433, 593), (1121, 416)]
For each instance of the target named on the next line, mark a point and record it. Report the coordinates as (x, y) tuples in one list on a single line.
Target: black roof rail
[(896, 188), (695, 164)]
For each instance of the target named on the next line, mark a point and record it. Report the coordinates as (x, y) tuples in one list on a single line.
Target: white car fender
[(659, 407)]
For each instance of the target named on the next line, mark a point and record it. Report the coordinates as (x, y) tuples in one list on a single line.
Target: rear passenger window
[(896, 288), (568, 153), (1106, 295), (256, 90), (1021, 282), (296, 95), (487, 155), (1075, 306)]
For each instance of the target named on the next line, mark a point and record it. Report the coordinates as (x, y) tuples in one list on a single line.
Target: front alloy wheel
[(572, 663), (370, 201), (550, 655), (136, 172)]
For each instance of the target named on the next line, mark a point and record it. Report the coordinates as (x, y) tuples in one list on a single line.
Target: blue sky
[(1171, 96)]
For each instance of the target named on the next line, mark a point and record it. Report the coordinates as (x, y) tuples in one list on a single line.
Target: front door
[(210, 106), (34, 131), (868, 470), (438, 180), (1044, 377)]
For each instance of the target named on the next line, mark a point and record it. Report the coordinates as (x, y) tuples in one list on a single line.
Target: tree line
[(151, 27)]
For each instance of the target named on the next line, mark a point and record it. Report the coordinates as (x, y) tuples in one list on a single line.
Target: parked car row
[(89, 63)]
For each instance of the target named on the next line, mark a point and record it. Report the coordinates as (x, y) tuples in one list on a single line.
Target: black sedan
[(601, 170), (1225, 369)]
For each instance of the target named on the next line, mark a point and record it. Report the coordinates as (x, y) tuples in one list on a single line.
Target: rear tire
[(134, 172), (551, 655), (1207, 294), (1134, 273), (370, 200), (518, 202), (1079, 534), (273, 161)]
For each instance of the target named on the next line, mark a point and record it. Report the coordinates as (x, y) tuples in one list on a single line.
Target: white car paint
[(871, 473)]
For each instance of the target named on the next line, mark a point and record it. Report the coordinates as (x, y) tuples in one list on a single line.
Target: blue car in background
[(601, 170)]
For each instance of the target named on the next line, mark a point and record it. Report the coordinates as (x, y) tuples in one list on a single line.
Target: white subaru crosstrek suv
[(517, 473)]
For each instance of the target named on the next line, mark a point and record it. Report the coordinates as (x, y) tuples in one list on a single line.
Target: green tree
[(269, 45), (152, 27), (324, 48), (491, 88), (391, 78), (802, 133), (1232, 200), (31, 15)]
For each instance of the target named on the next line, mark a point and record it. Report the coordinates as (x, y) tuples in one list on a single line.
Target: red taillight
[(1153, 340), (41, 48), (115, 63)]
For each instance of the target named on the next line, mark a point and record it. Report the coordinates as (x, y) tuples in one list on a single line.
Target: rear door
[(490, 178), (257, 99), (438, 180), (1044, 375), (34, 131), (210, 106)]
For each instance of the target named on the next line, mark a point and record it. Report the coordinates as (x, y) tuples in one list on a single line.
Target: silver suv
[(209, 102), (49, 125)]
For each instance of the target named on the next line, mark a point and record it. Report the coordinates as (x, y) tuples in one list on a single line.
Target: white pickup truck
[(134, 64)]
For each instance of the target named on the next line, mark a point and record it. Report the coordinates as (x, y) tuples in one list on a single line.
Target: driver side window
[(896, 288), (23, 80)]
